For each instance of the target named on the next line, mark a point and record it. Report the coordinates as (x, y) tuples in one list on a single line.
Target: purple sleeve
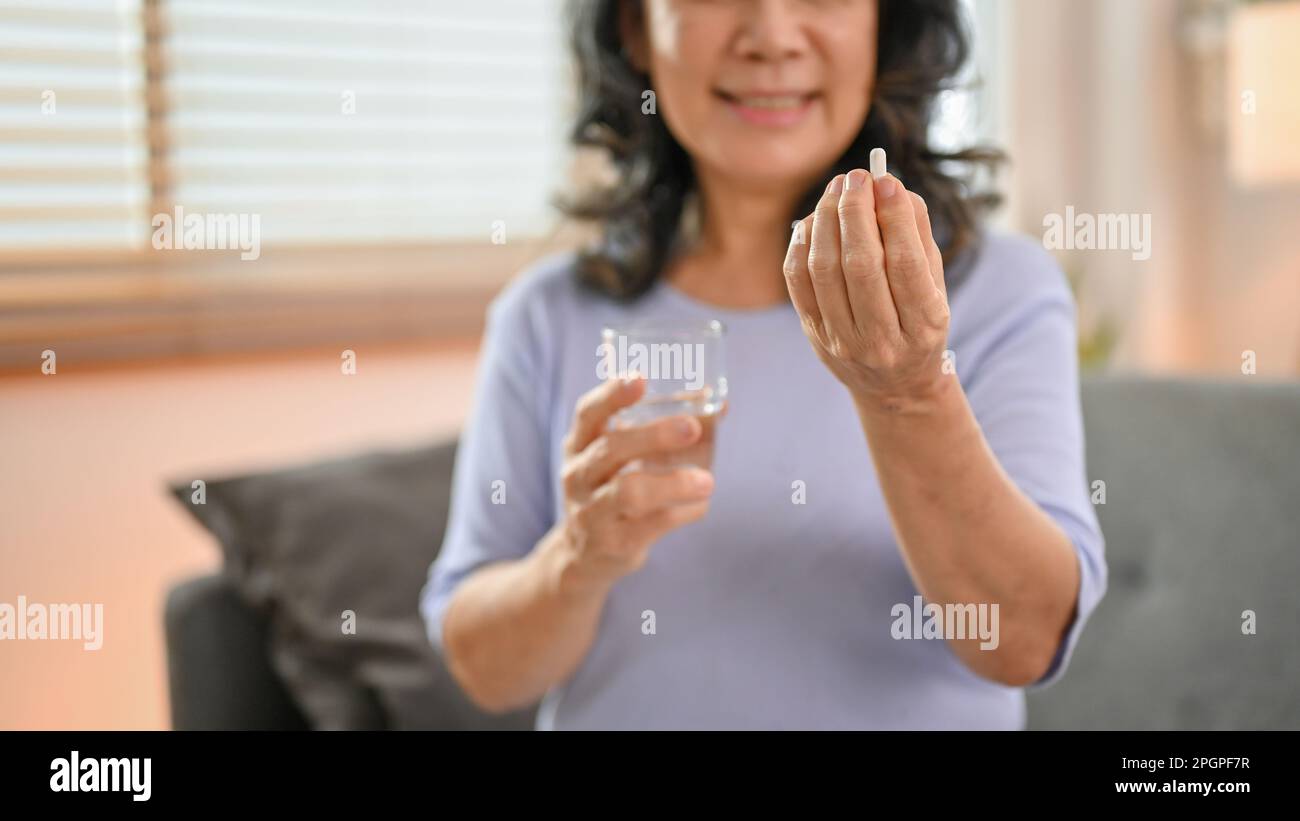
[(1024, 390), (501, 494)]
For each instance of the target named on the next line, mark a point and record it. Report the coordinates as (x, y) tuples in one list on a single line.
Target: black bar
[(432, 772)]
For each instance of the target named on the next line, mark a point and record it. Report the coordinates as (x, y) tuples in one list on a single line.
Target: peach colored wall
[(1104, 115), (84, 458)]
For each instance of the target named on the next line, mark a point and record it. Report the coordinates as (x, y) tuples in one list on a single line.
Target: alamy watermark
[(26, 621), (1098, 232), (949, 621), (77, 774), (208, 232), (677, 361)]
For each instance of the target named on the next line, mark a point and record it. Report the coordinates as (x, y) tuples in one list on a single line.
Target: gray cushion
[(1202, 522), (306, 544), (218, 673)]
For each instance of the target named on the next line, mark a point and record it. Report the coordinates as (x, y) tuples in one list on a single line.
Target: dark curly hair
[(922, 46)]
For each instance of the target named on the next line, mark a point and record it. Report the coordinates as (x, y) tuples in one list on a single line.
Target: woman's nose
[(771, 30)]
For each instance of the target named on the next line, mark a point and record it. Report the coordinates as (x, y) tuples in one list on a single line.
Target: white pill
[(877, 163)]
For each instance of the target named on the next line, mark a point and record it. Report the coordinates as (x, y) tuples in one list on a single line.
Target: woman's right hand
[(615, 511)]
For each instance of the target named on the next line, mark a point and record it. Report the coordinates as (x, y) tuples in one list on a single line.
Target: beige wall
[(85, 457), (1104, 116)]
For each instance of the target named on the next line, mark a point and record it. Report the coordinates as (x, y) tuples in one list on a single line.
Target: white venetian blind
[(340, 121), (73, 156)]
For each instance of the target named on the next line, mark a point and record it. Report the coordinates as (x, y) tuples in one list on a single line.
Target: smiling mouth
[(790, 101), (769, 109)]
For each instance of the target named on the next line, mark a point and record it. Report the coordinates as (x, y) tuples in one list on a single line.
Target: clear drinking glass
[(683, 364)]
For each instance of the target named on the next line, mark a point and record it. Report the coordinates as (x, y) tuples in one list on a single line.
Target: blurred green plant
[(1097, 338)]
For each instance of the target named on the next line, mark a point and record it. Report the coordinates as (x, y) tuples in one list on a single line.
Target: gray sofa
[(1202, 523)]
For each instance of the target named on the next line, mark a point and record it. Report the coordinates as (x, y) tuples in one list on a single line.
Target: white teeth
[(785, 101)]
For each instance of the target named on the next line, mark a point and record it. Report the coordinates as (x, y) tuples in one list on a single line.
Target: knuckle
[(827, 207), (874, 342), (601, 450), (791, 267), (860, 260), (821, 264), (893, 340), (906, 257), (583, 518), (886, 357), (838, 346), (628, 493), (811, 328), (937, 314), (571, 478), (856, 208), (896, 218)]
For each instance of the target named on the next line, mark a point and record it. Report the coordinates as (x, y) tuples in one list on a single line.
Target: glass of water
[(683, 365)]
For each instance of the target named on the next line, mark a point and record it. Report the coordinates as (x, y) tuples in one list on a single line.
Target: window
[(73, 151), (338, 121), (974, 111), (392, 158)]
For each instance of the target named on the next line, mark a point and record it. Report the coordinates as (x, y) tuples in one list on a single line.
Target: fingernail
[(702, 479), (886, 187), (686, 428), (877, 162), (837, 184), (856, 179)]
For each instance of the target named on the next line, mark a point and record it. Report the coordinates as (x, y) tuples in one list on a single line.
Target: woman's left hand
[(866, 277)]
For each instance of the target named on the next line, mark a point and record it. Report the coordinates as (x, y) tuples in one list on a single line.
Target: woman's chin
[(769, 171)]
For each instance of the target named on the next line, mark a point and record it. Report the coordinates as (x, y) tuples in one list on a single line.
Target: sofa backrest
[(1202, 525)]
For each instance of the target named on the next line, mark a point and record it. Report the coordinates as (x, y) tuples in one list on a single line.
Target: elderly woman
[(902, 439)]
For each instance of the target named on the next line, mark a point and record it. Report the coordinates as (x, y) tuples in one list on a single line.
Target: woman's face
[(766, 92)]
